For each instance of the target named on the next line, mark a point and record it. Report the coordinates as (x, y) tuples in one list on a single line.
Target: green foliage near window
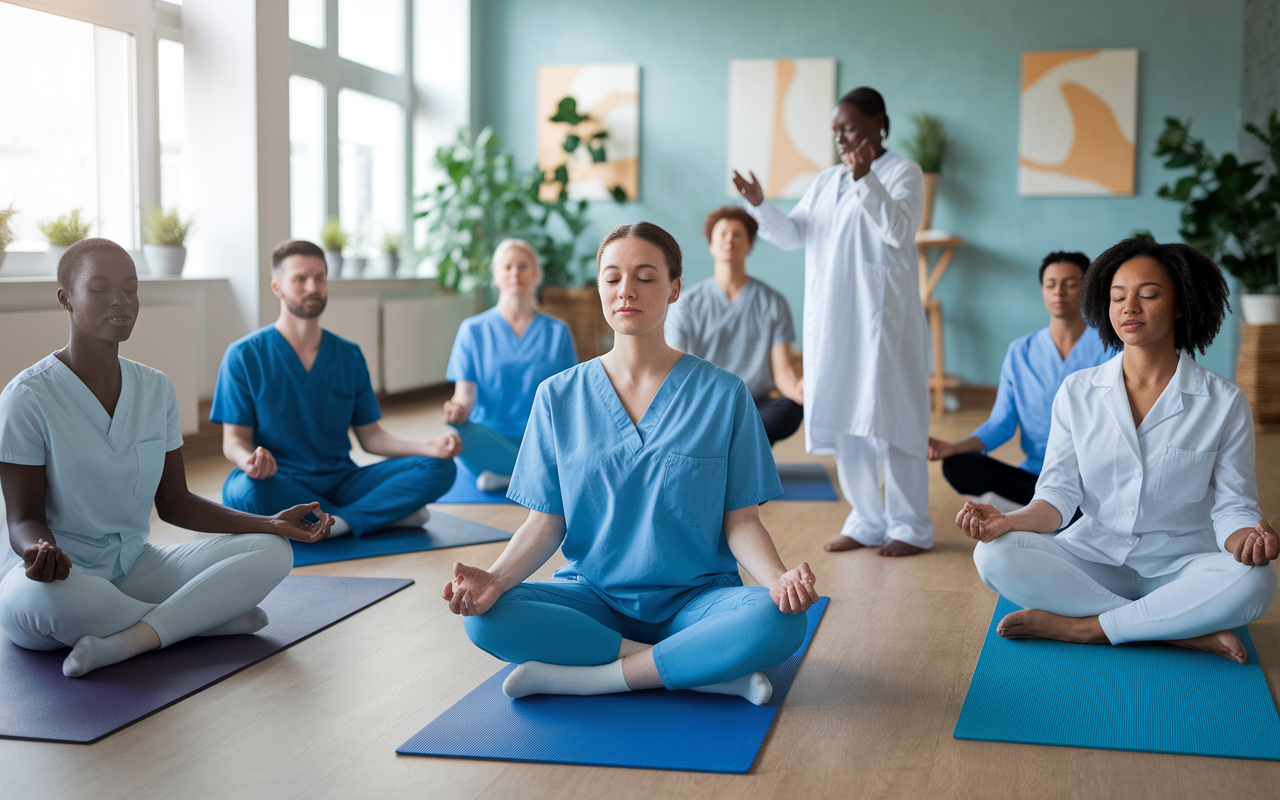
[(1230, 210), (6, 226), (66, 230), (927, 145), (392, 243), (332, 236), (164, 227)]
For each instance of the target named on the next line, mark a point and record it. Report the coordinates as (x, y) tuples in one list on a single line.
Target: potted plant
[(332, 241), (1230, 210), (6, 229), (927, 146), (164, 236), (392, 243), (353, 266), (63, 232)]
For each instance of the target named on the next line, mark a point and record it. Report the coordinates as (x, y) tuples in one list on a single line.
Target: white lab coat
[(865, 370), (1177, 485)]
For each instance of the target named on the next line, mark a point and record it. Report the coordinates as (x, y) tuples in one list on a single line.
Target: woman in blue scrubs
[(499, 357), (645, 467), (88, 441)]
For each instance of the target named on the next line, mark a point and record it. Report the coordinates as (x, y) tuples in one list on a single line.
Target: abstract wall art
[(1079, 112), (589, 125), (780, 121)]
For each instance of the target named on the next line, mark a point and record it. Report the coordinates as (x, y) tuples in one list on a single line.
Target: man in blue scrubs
[(1033, 369), (286, 396)]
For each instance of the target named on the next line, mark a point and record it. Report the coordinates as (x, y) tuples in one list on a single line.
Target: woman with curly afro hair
[(1157, 452)]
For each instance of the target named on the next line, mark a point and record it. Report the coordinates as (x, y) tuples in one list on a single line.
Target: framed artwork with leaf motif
[(589, 131)]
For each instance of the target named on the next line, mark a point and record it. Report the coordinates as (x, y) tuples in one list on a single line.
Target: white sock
[(754, 687), (415, 520), (251, 622), (491, 481), (90, 652), (536, 677), (340, 528)]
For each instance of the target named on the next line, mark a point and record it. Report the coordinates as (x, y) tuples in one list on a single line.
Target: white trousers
[(1207, 593), (903, 513), (181, 590)]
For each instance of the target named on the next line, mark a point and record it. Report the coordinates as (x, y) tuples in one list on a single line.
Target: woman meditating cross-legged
[(499, 357), (645, 467), (88, 440), (1157, 452)]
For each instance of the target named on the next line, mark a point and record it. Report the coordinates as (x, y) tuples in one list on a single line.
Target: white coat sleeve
[(1059, 484), (785, 231), (895, 210), (1235, 482)]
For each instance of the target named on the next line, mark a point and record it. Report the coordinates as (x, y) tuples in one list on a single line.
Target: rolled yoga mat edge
[(1137, 697), (676, 731), (154, 681)]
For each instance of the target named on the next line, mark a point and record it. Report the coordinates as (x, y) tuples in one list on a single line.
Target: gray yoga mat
[(443, 530), (38, 702)]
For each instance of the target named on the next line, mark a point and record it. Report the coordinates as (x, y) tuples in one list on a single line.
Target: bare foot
[(894, 548), (1223, 643), (1034, 624), (842, 543)]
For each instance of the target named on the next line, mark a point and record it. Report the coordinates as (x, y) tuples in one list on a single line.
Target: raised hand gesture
[(794, 591), (260, 465), (291, 524), (46, 562), (859, 159), (751, 190), (982, 522), (472, 590), (1256, 548)]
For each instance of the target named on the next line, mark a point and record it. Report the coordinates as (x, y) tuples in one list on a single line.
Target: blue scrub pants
[(721, 634), (486, 449), (368, 498)]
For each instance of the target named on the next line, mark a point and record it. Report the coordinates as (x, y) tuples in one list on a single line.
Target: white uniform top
[(864, 334), (1177, 485), (102, 472)]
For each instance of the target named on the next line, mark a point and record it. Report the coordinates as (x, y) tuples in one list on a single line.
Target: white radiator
[(417, 335), (165, 337), (357, 320)]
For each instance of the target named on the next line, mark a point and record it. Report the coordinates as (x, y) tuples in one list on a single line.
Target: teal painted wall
[(960, 61)]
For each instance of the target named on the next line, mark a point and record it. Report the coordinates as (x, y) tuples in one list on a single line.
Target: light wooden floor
[(870, 714)]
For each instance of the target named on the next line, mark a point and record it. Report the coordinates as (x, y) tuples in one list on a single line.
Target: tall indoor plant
[(927, 146), (1230, 209)]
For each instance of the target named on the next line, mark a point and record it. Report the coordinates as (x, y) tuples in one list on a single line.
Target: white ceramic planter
[(354, 267), (1260, 309), (163, 259), (333, 258), (55, 254)]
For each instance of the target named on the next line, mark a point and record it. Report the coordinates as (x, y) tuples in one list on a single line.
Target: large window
[(172, 111), (371, 169), (306, 157)]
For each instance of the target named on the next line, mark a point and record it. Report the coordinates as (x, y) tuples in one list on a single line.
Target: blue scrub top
[(506, 368), (301, 417), (644, 504), (1032, 372)]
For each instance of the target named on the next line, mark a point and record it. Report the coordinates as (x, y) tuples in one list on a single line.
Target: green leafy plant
[(927, 146), (332, 236), (1229, 211), (577, 136), (392, 243), (6, 226), (164, 227), (66, 230)]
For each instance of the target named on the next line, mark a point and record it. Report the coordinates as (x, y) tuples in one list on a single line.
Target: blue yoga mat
[(1151, 698), (805, 482), (684, 730), (464, 490), (443, 530)]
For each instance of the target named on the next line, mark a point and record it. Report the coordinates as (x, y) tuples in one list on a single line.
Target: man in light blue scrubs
[(287, 395), (1033, 369)]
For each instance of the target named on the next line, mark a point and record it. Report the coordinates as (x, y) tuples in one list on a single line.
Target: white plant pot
[(1, 259), (333, 258), (1260, 309), (55, 254), (353, 267), (163, 259)]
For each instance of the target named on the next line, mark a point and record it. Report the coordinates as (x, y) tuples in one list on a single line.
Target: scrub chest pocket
[(693, 489), (1184, 475), (150, 468)]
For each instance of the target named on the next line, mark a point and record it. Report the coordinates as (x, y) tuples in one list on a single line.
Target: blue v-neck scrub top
[(644, 504), (506, 368), (301, 417)]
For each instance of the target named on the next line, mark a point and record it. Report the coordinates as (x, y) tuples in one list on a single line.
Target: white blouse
[(1177, 485)]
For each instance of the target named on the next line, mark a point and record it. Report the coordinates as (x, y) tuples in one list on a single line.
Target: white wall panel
[(417, 334), (357, 320)]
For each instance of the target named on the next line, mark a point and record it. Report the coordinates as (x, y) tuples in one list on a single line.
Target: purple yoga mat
[(38, 702)]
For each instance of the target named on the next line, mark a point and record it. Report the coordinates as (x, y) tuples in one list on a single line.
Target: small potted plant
[(332, 240), (926, 147), (353, 266), (392, 243), (164, 237), (6, 229), (63, 232)]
